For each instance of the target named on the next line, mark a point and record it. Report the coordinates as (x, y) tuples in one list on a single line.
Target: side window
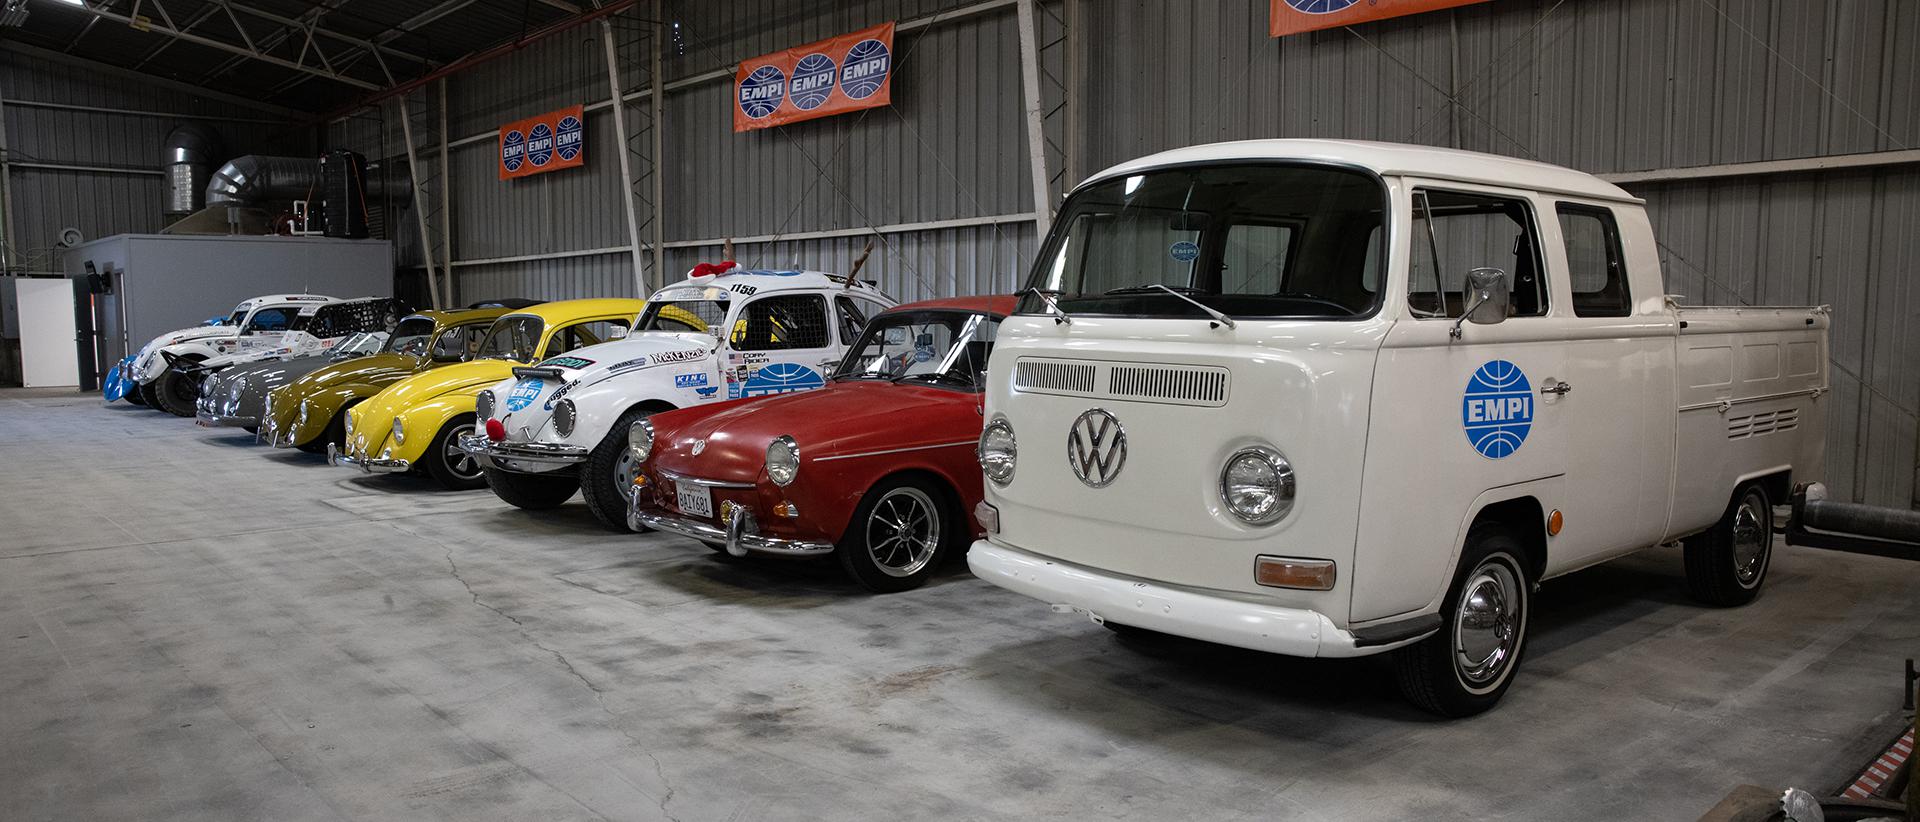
[(273, 319), (781, 322), (1594, 262), (1255, 259), (1456, 232), (853, 317), (581, 335)]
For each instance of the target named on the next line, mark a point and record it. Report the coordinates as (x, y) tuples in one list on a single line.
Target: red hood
[(846, 417)]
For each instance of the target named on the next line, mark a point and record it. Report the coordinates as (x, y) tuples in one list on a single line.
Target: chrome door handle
[(1556, 387)]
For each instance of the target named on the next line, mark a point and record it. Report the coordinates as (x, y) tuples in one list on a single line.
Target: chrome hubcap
[(460, 462), (1486, 627), (624, 470), (1752, 534), (903, 531)]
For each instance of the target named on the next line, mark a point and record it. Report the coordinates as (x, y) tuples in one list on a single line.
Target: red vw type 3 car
[(877, 468)]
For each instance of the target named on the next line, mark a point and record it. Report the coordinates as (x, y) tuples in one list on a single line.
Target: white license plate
[(695, 500)]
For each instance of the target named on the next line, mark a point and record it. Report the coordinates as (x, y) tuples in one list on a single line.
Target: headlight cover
[(399, 432), (783, 460), (998, 451), (1257, 485), (564, 417), (483, 404), (640, 439)]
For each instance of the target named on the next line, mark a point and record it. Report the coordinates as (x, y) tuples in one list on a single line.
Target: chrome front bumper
[(371, 465), (211, 420), (487, 450), (1169, 609), (741, 536)]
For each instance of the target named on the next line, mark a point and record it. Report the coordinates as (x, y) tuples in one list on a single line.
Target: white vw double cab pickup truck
[(564, 424), (1329, 399)]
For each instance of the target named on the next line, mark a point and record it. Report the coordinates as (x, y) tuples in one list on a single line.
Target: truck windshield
[(693, 309), (1250, 240), (512, 338), (948, 347)]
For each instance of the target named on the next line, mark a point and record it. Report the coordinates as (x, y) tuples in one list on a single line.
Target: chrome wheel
[(625, 468), (903, 531), (1486, 625), (1752, 536), (461, 463)]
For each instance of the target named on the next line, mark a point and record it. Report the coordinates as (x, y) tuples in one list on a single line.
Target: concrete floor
[(197, 627)]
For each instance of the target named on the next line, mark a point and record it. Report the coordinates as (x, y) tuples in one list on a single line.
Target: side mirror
[(1487, 293)]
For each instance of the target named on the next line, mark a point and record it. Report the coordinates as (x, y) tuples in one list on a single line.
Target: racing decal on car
[(557, 395), (688, 355), (694, 380), (1497, 410), (781, 378), (708, 392), (524, 393), (575, 363)]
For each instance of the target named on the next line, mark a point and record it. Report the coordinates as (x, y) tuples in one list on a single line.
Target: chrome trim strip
[(893, 451), (537, 452), (222, 421), (369, 465), (1729, 403), (675, 477), (737, 537)]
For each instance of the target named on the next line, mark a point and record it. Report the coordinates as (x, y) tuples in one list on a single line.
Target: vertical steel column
[(420, 201), (659, 169), (626, 161), (1036, 131), (7, 241), (1075, 90), (446, 206)]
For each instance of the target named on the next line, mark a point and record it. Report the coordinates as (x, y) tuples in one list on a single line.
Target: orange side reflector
[(1292, 572), (1553, 523)]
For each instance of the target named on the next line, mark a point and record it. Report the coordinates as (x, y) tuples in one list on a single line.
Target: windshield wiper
[(937, 376), (1059, 317), (1219, 318), (1152, 287)]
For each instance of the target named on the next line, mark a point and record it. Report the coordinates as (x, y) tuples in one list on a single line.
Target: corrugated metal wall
[(101, 203), (1600, 85)]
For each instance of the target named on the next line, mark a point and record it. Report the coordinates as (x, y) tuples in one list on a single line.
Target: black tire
[(136, 395), (1492, 590), (176, 393), (1727, 564), (253, 429), (533, 492), (454, 469), (145, 392), (607, 476), (901, 514)]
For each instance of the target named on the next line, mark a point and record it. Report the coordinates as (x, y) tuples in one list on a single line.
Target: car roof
[(562, 310), (999, 305), (772, 279), (461, 315), (276, 299), (1389, 160)]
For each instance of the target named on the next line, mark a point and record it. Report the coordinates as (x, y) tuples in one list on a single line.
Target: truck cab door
[(778, 343), (1454, 418)]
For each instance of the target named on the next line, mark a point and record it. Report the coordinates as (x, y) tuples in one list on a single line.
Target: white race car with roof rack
[(564, 423), (256, 324)]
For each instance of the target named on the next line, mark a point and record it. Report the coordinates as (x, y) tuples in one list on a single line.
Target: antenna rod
[(857, 264)]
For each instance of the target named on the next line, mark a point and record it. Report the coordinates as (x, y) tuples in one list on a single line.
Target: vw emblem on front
[(1096, 448), (699, 446)]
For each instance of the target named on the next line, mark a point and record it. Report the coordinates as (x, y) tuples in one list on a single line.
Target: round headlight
[(640, 439), (483, 405), (233, 393), (1257, 485), (564, 418), (783, 460), (399, 432), (997, 451)]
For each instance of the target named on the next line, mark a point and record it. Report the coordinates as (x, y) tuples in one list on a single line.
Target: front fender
[(159, 362), (598, 407), (320, 408), (424, 420)]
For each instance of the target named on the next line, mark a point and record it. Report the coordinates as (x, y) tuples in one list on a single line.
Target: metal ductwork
[(188, 158), (255, 180)]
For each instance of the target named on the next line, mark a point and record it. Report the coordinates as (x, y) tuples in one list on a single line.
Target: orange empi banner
[(846, 73), (554, 140), (1295, 16)]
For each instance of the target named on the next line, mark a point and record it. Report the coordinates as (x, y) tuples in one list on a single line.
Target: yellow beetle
[(416, 422)]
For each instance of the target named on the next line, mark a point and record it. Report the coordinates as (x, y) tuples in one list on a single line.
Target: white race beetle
[(564, 423), (1328, 398), (258, 324)]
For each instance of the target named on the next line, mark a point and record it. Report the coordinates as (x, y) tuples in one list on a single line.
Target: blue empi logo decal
[(866, 69), (524, 393), (1497, 410), (513, 150), (569, 139), (812, 81), (762, 91), (1320, 6), (540, 144), (782, 378)]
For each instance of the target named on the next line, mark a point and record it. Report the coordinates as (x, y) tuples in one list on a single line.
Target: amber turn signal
[(786, 509), (1553, 523), (1292, 572), (640, 482)]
